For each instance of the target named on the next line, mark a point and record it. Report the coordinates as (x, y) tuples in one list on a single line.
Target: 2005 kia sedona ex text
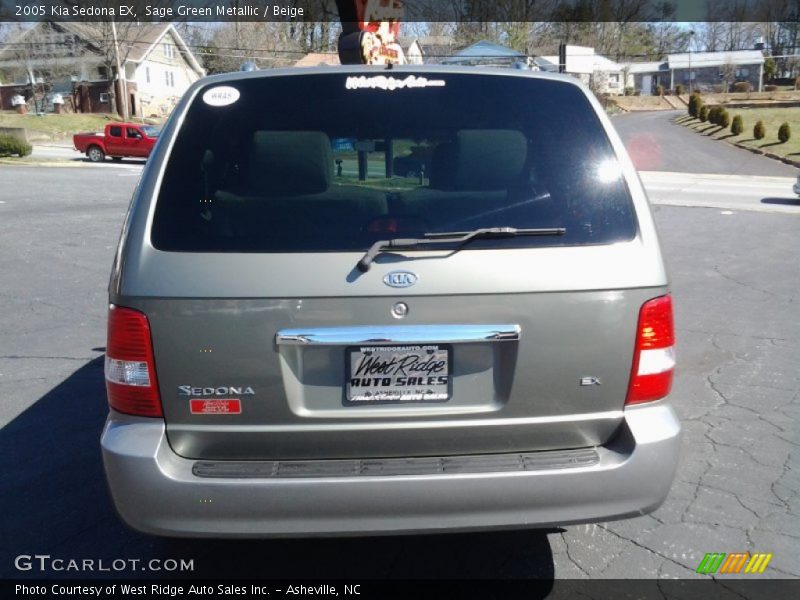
[(306, 339)]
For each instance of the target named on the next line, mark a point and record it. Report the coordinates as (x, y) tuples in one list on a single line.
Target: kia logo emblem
[(400, 279)]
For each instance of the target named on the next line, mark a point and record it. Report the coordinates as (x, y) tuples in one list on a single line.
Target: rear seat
[(289, 185), (471, 175)]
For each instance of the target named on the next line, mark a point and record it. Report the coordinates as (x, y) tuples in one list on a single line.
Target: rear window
[(335, 162)]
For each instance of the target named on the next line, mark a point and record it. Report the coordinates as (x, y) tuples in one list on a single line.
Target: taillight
[(130, 369), (654, 356)]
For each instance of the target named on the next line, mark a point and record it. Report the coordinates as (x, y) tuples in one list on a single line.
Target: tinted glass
[(314, 163), (115, 131)]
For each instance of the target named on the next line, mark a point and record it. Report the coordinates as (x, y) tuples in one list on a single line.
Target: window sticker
[(382, 82), (222, 95)]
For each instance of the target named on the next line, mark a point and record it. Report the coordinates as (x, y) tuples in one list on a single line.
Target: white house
[(72, 59), (603, 75)]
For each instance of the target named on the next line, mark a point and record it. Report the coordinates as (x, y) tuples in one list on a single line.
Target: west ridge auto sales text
[(163, 12), (156, 589)]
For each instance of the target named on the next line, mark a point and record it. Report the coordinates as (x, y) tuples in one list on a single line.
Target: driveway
[(655, 143)]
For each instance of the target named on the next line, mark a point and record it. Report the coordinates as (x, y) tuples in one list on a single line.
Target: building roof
[(601, 63), (484, 51), (406, 42), (136, 40), (715, 59), (646, 67), (315, 59)]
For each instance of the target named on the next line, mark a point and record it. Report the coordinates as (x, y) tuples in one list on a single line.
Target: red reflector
[(654, 354), (130, 369), (229, 406)]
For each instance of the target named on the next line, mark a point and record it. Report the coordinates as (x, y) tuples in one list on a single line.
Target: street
[(730, 238)]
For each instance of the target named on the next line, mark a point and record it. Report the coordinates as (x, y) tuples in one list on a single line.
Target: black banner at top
[(579, 11)]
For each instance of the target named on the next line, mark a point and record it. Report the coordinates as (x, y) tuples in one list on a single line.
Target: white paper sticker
[(390, 83), (222, 95)]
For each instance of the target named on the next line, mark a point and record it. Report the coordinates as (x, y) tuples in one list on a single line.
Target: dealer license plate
[(393, 374)]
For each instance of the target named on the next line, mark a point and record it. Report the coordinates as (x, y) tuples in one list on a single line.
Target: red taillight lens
[(130, 369), (654, 356)]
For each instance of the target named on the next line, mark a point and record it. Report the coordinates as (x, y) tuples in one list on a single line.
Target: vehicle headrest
[(479, 160), (290, 163)]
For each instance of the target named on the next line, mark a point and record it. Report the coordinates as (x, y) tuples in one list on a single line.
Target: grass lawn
[(56, 127), (772, 117)]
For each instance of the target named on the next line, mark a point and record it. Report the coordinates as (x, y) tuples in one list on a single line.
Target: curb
[(53, 163)]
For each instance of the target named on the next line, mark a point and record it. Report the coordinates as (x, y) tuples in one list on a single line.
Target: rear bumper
[(157, 491)]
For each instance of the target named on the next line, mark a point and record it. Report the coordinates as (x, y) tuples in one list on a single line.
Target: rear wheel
[(96, 154)]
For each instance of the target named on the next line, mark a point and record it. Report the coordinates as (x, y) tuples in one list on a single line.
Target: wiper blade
[(450, 237)]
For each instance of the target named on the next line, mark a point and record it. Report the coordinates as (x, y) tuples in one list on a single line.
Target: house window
[(742, 72), (166, 78), (171, 79), (169, 50), (147, 74), (104, 98)]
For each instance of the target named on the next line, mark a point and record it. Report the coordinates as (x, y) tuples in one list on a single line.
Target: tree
[(113, 42), (728, 72), (784, 133), (770, 69), (45, 56), (737, 126), (695, 102), (267, 44)]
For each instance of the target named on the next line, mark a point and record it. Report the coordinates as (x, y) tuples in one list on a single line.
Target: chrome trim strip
[(387, 467), (398, 334)]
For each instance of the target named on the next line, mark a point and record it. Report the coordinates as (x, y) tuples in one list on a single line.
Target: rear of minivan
[(303, 341)]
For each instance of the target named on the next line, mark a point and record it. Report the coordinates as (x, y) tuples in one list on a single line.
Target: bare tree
[(44, 57), (728, 72), (266, 44), (113, 41)]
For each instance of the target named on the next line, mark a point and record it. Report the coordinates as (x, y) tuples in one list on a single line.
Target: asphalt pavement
[(655, 143), (735, 280)]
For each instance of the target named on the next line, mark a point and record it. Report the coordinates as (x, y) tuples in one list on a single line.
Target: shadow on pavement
[(55, 502), (784, 201)]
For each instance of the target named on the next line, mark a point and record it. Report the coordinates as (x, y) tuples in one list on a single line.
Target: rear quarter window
[(316, 163)]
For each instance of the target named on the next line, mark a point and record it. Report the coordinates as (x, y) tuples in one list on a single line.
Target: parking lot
[(735, 276)]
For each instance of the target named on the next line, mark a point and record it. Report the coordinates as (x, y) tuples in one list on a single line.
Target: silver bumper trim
[(393, 467), (156, 491)]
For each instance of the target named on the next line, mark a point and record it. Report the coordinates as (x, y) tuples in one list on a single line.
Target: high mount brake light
[(129, 367)]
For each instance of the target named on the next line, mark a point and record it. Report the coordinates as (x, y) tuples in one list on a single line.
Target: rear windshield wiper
[(450, 237)]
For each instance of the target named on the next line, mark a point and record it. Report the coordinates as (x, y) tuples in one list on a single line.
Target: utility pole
[(122, 97), (691, 39)]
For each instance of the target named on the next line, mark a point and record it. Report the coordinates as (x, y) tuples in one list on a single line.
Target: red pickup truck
[(118, 140)]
